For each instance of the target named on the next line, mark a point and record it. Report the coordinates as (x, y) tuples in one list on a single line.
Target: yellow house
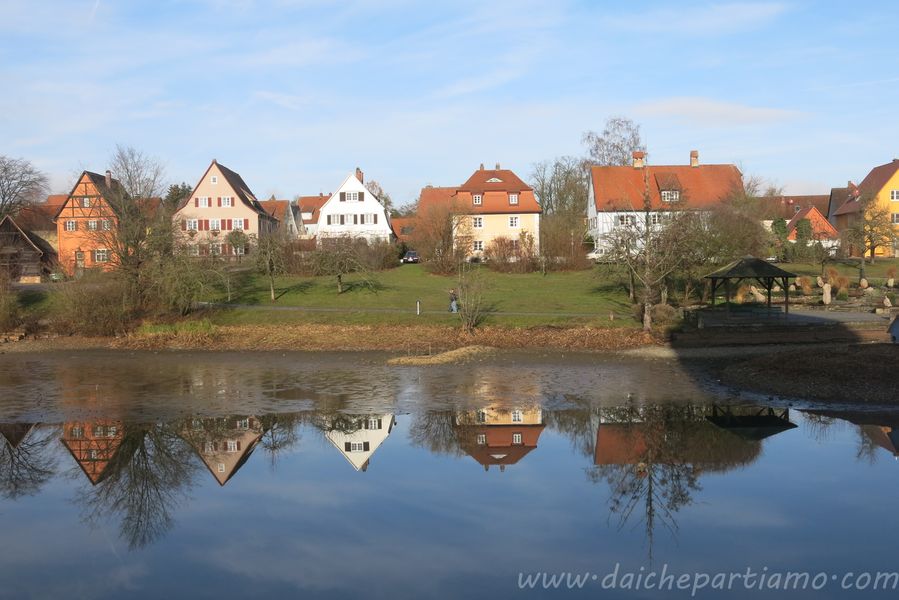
[(882, 185), (491, 204)]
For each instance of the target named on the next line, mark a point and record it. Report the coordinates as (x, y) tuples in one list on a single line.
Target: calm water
[(228, 475)]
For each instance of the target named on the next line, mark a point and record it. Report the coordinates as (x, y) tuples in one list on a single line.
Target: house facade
[(822, 230), (85, 222), (359, 443), (309, 209), (353, 212), (497, 436), (617, 193), (224, 444), (220, 203), (880, 186), (24, 256), (284, 211), (491, 204)]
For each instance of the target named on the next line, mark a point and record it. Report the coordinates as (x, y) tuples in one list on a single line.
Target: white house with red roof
[(309, 209), (353, 212), (618, 193)]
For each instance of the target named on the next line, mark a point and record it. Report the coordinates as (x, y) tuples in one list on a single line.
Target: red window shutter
[(246, 223), (196, 202), (205, 224), (238, 444), (220, 201), (343, 196), (227, 224)]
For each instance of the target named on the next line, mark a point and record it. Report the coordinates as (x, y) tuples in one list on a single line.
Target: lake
[(332, 475)]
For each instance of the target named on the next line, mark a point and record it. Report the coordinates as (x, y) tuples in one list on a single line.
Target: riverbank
[(412, 339)]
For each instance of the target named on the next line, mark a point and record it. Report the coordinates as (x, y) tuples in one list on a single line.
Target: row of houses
[(68, 229)]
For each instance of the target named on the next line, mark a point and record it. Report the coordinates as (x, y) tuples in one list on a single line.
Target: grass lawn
[(566, 298), (849, 268)]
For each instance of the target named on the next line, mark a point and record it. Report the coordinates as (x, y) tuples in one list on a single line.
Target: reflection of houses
[(15, 433), (93, 444), (223, 444), (497, 436), (358, 436)]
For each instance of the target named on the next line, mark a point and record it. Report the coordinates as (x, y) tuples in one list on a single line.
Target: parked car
[(411, 257)]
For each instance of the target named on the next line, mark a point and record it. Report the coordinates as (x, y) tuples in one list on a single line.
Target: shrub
[(512, 256), (841, 284), (97, 304), (843, 295), (832, 275), (664, 316), (804, 284), (9, 305)]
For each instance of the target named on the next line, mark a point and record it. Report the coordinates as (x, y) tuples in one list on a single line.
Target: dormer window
[(214, 179), (513, 199), (494, 180), (670, 195), (477, 199)]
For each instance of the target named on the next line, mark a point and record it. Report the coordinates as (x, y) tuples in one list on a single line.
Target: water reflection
[(357, 437), (26, 463), (497, 436)]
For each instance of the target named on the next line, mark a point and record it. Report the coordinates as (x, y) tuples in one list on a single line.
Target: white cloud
[(700, 19), (706, 111)]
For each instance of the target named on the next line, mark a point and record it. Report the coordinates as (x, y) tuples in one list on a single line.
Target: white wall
[(369, 205)]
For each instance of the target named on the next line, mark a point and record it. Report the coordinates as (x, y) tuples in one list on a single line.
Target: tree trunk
[(631, 292), (647, 315), (664, 293), (271, 286)]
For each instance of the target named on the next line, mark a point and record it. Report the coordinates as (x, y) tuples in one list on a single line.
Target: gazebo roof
[(749, 267)]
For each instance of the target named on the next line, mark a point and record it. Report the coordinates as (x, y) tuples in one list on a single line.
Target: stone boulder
[(887, 303), (757, 295), (827, 296), (863, 283), (820, 281)]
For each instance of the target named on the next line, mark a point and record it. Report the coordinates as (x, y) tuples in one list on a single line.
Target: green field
[(849, 268), (557, 298)]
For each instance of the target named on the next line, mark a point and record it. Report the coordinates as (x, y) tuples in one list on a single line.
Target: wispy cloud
[(703, 19), (707, 111), (288, 101)]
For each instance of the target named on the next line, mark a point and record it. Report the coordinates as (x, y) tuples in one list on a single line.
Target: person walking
[(454, 301)]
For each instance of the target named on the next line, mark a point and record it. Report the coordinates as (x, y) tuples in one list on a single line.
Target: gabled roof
[(785, 207), (99, 182), (40, 215), (15, 433), (498, 449), (237, 184), (28, 238), (494, 180), (820, 224), (837, 198), (312, 204), (279, 209), (878, 177), (622, 187), (403, 227), (494, 187)]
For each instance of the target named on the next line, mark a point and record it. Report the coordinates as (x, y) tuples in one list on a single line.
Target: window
[(77, 432), (209, 447), (193, 250), (517, 416), (237, 224), (203, 202), (481, 416), (92, 226), (895, 218), (670, 195), (221, 468), (482, 439), (111, 431), (894, 195), (215, 248), (71, 226), (513, 221), (214, 179), (193, 224), (352, 196), (368, 219), (476, 198), (513, 198), (655, 219), (516, 439), (232, 446), (357, 447), (477, 222), (85, 202), (227, 201), (243, 423), (101, 255), (94, 455), (494, 180), (106, 224), (97, 431), (238, 251), (478, 246), (373, 423), (627, 220), (215, 224)]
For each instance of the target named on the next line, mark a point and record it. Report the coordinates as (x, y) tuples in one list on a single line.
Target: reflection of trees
[(652, 458), (435, 431), (25, 460), (146, 479), (281, 433)]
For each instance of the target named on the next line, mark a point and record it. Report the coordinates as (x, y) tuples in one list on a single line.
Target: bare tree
[(338, 257), (141, 175), (872, 228), (271, 258), (378, 192), (472, 291), (26, 463), (616, 144), (21, 183), (442, 236)]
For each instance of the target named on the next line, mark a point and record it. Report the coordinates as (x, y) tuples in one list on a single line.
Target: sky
[(295, 94)]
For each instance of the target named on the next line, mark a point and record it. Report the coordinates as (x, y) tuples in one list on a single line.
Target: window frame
[(71, 225), (105, 258), (93, 225), (477, 222), (477, 246), (516, 439), (192, 224), (669, 196), (227, 201), (894, 195), (514, 222), (477, 199), (517, 416), (214, 179), (513, 199)]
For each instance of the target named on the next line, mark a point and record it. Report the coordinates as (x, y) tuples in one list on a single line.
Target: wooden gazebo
[(749, 267)]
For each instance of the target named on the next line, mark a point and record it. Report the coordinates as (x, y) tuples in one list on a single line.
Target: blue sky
[(295, 94)]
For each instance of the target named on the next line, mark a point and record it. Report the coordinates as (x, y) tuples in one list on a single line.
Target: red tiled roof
[(821, 227), (311, 204), (785, 207), (622, 187), (40, 216), (499, 449), (494, 186), (276, 208), (403, 227), (878, 177)]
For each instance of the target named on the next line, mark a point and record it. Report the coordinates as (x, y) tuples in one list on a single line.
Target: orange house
[(81, 222), (93, 444), (822, 230)]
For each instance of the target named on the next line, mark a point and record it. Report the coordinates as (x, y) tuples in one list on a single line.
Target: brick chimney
[(639, 158), (482, 166), (108, 179), (360, 175), (694, 158), (497, 166)]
